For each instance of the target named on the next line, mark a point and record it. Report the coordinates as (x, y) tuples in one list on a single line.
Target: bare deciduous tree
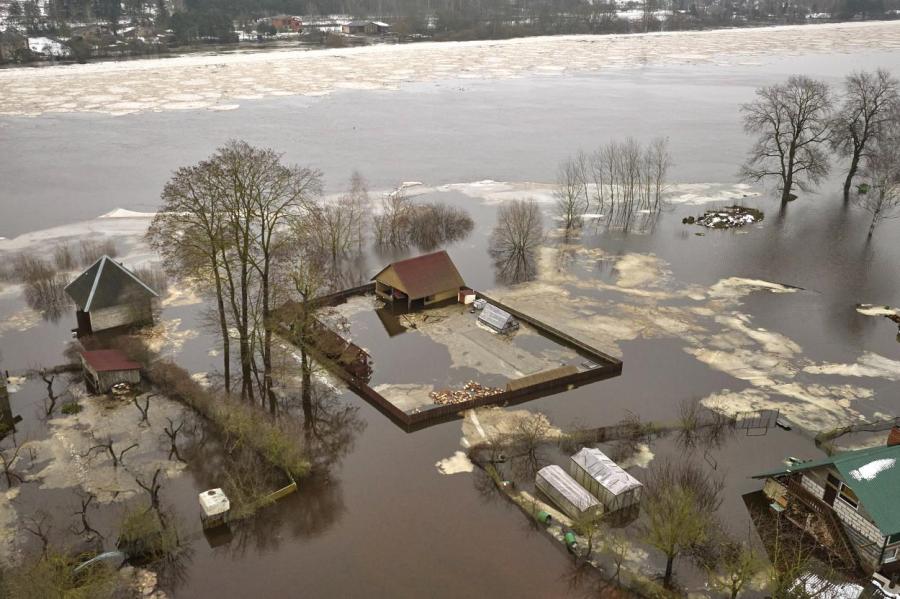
[(108, 447), (570, 194), (792, 121), (516, 239), (392, 224), (172, 433), (144, 408), (882, 172), (869, 100)]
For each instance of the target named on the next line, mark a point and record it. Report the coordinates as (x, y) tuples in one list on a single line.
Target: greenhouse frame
[(566, 493), (605, 480)]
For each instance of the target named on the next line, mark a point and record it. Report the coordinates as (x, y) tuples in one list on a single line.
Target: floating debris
[(726, 218), (471, 390)]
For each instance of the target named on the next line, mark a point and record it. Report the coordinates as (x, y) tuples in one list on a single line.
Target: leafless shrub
[(392, 224), (64, 257), (106, 446), (92, 250), (39, 524), (154, 276), (432, 225)]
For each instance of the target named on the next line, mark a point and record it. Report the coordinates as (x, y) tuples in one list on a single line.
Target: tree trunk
[(223, 324), (848, 182), (667, 577)]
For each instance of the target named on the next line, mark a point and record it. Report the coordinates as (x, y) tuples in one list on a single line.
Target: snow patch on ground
[(123, 213)]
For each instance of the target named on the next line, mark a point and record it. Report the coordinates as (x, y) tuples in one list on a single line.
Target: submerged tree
[(570, 194), (792, 121), (516, 239), (869, 100), (679, 506), (882, 172), (222, 224)]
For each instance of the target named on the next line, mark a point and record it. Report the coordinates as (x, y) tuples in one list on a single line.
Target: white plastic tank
[(214, 503)]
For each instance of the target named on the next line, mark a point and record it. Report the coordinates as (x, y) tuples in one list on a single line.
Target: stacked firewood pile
[(471, 390)]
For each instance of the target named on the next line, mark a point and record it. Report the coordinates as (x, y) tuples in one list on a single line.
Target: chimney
[(894, 436)]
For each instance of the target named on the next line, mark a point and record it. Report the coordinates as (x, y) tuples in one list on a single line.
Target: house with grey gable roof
[(110, 296)]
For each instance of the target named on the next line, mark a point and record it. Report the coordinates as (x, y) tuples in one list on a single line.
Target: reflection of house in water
[(108, 295), (853, 496), (7, 420), (419, 281), (390, 322)]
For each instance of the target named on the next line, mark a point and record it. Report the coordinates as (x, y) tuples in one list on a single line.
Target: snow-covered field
[(221, 82)]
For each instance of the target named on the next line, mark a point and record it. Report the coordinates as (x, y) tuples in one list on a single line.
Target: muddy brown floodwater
[(761, 317)]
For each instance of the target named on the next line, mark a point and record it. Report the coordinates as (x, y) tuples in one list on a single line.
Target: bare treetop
[(792, 121)]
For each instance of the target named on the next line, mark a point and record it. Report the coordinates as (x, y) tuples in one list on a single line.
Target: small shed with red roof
[(428, 279), (104, 368)]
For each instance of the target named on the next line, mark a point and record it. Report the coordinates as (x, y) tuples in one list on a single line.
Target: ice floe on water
[(869, 365), (127, 87), (455, 464)]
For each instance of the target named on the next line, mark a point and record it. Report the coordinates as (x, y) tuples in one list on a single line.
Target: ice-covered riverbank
[(221, 82)]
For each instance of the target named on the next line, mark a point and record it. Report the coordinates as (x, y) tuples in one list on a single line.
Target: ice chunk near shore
[(455, 464), (123, 213), (869, 365), (873, 310)]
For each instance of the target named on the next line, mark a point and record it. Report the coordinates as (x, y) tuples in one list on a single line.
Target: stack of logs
[(471, 390)]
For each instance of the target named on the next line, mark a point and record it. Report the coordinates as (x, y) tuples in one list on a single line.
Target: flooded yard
[(760, 317)]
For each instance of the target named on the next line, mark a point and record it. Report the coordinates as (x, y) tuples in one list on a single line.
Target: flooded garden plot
[(459, 359)]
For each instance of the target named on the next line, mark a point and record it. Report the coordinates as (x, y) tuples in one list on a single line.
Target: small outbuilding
[(104, 368), (566, 493), (605, 480), (108, 296), (365, 28), (423, 280), (497, 319)]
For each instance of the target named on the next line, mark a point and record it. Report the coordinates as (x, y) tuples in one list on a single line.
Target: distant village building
[(419, 281), (365, 28), (497, 319), (104, 368), (566, 493), (605, 480), (287, 23), (46, 46), (854, 495), (108, 296)]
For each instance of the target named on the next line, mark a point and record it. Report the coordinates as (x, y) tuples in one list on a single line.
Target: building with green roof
[(855, 494)]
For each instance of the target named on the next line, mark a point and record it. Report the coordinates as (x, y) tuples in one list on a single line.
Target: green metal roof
[(873, 474)]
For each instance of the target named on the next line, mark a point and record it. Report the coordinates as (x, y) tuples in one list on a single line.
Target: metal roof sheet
[(605, 471), (106, 283), (495, 317), (873, 474), (426, 275), (109, 360), (568, 487)]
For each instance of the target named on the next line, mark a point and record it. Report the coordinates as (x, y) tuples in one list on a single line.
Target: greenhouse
[(565, 492), (606, 480)]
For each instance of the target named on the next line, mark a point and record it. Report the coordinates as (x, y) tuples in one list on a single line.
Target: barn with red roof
[(419, 281)]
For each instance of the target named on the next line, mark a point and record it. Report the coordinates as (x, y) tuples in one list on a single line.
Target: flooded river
[(386, 522)]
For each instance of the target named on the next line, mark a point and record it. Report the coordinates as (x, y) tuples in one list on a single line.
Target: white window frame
[(846, 502), (891, 554)]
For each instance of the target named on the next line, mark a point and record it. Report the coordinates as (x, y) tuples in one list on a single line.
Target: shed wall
[(122, 315), (442, 296)]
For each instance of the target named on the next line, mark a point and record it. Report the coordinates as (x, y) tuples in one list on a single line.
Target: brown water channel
[(384, 521)]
